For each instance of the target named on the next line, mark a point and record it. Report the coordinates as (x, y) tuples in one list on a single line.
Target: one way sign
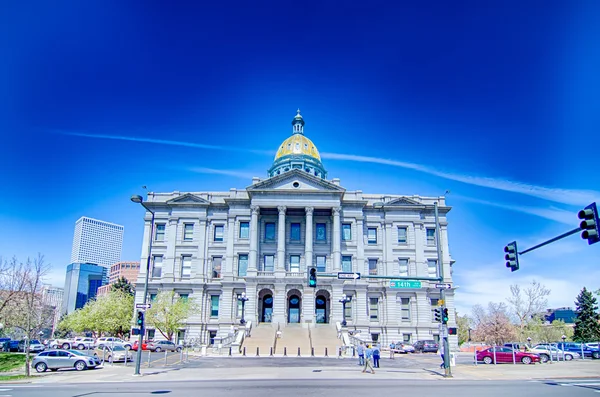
[(348, 276)]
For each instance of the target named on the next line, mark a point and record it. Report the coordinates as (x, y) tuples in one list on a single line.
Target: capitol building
[(258, 241)]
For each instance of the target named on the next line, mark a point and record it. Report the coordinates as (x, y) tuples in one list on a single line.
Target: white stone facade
[(213, 246)]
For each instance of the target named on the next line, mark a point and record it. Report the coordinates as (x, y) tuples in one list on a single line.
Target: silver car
[(57, 359)]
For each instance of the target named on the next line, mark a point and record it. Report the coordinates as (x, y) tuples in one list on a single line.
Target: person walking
[(392, 348), (361, 354), (368, 359), (441, 352), (376, 355)]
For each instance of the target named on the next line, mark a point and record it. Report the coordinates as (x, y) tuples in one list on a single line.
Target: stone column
[(388, 249), (171, 264), (308, 239), (360, 248), (227, 269), (336, 249), (199, 271), (252, 257), (281, 238)]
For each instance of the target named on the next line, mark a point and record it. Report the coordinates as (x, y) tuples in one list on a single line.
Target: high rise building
[(97, 242), (52, 298), (248, 251), (81, 285), (129, 270)]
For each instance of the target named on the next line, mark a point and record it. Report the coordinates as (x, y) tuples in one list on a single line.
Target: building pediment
[(187, 199), (298, 181), (402, 201)]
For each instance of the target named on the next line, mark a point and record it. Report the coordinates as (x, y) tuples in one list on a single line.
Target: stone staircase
[(325, 336), (263, 337), (294, 336)]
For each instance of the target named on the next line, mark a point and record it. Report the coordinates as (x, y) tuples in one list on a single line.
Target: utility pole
[(447, 369)]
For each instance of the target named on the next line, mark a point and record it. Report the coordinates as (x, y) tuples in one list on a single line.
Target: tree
[(464, 325), (587, 323), (122, 284), (493, 326), (169, 312), (110, 314), (528, 303)]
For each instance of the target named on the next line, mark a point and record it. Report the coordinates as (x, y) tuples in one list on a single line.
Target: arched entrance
[(322, 307), (294, 306), (265, 306)]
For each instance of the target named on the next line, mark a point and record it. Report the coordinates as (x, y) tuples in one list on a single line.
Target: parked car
[(113, 341), (505, 355), (426, 346), (517, 346), (35, 346), (593, 345), (113, 353), (60, 344), (83, 343), (574, 347), (144, 345), (11, 346), (404, 348), (56, 359), (546, 352), (158, 346)]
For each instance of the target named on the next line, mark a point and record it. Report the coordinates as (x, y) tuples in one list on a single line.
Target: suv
[(60, 343), (517, 346), (83, 343), (425, 346), (578, 348), (158, 346), (113, 341)]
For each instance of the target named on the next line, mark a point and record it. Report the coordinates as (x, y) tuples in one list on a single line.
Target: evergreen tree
[(587, 323), (123, 285)]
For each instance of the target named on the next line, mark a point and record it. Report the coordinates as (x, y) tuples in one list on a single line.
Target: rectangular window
[(295, 232), (405, 309), (159, 234), (403, 267), (373, 308), (157, 262), (346, 264), (431, 268), (269, 231), (186, 266), (184, 297), (430, 236), (152, 297), (406, 338), (348, 311), (216, 266), (402, 232), (372, 235), (242, 265), (218, 233), (214, 305), (269, 264), (347, 231), (321, 263), (294, 263), (321, 232), (434, 305), (244, 229), (372, 267), (188, 231)]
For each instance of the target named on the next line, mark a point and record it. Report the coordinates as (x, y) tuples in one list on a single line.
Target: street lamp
[(139, 200), (243, 298), (529, 341), (343, 301), (470, 329)]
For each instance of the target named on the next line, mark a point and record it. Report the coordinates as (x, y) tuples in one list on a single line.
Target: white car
[(60, 344), (546, 351), (83, 343), (112, 341)]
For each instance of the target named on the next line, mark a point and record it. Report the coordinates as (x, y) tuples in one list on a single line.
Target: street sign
[(405, 284), (443, 286), (348, 276), (145, 306)]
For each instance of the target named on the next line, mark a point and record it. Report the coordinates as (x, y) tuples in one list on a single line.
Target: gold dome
[(298, 144)]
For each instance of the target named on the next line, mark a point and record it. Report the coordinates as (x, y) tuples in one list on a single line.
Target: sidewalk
[(579, 369)]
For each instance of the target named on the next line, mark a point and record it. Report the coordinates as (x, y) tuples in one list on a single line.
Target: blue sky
[(493, 101)]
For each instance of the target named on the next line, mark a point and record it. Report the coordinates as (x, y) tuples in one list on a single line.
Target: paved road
[(362, 385)]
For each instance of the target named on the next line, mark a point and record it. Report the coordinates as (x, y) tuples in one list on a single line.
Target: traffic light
[(140, 319), (590, 224), (512, 256), (445, 316), (312, 277), (452, 331), (437, 314)]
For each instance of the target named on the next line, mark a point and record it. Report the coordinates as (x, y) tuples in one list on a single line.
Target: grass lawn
[(11, 361), (12, 377)]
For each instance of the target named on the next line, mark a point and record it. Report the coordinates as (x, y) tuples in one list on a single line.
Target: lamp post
[(243, 298), (470, 329), (529, 342), (563, 347), (139, 200), (343, 301)]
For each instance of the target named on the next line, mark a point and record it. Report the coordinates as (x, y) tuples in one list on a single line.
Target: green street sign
[(405, 284)]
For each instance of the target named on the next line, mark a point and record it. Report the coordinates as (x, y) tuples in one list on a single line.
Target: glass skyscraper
[(81, 285)]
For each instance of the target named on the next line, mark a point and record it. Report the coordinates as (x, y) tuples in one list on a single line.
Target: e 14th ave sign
[(405, 284)]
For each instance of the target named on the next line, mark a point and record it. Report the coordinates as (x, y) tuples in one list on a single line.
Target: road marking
[(5, 389), (565, 384)]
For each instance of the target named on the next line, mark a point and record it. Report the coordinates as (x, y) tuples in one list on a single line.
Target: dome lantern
[(298, 123)]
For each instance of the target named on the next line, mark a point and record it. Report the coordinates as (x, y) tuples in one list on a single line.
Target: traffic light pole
[(567, 234), (447, 369)]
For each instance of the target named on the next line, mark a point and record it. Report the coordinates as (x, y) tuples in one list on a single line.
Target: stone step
[(325, 336), (263, 337), (292, 338)]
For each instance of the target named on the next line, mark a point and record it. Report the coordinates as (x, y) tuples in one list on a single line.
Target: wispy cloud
[(552, 213), (564, 196), (234, 173)]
